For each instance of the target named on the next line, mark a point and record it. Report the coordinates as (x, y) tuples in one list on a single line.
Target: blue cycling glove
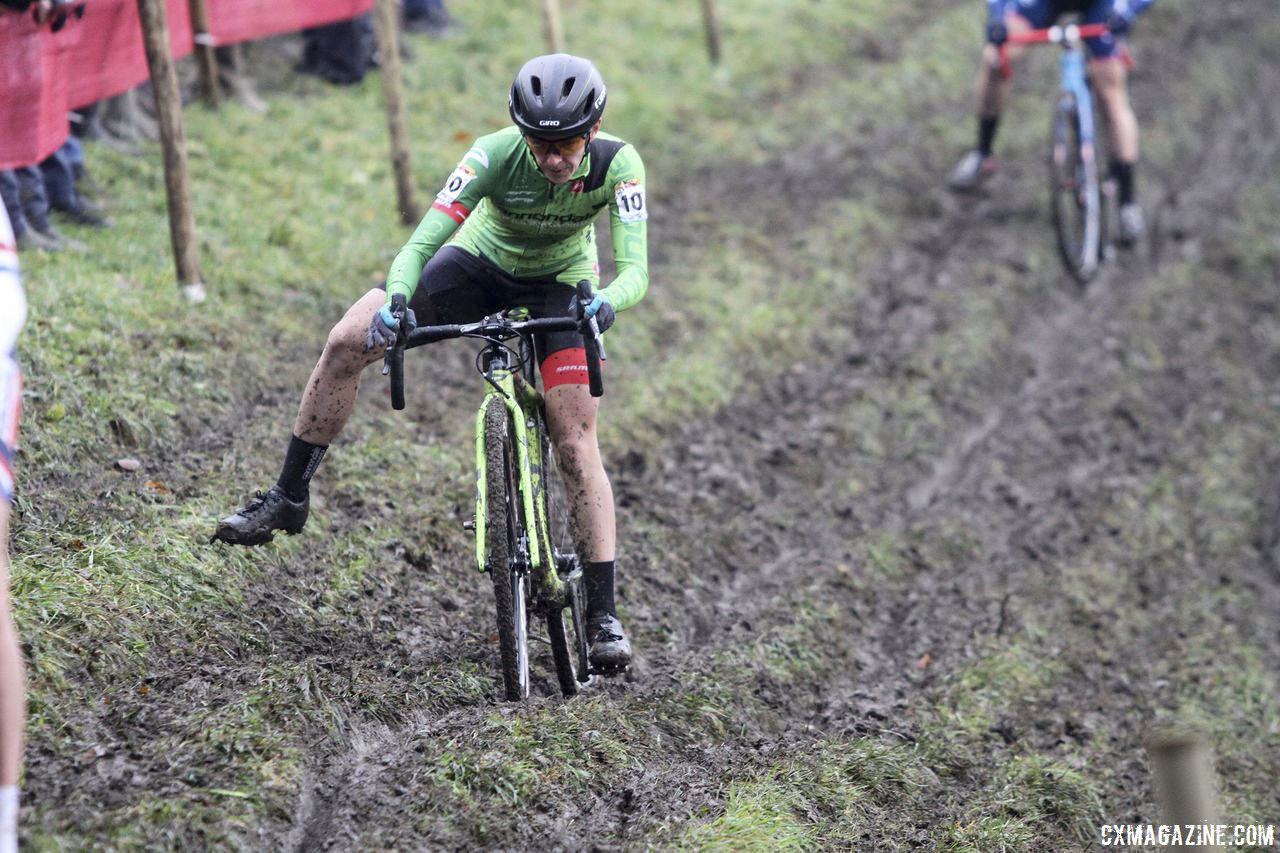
[(383, 330), (602, 311)]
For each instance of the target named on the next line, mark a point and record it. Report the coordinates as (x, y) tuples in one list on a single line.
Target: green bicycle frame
[(524, 404)]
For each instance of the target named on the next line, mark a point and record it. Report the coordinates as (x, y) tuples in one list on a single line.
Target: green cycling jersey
[(511, 214)]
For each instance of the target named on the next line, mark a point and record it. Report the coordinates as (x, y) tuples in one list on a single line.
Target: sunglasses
[(570, 147)]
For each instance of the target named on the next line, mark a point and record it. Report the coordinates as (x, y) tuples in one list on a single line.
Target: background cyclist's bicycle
[(1077, 195)]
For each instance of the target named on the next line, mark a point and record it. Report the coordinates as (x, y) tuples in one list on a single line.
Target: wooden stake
[(712, 26), (182, 225), (1182, 767), (553, 26), (385, 12), (207, 62)]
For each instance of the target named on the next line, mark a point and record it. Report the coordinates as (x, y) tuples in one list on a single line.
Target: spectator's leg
[(11, 194), (23, 234), (34, 199), (59, 182), (232, 77)]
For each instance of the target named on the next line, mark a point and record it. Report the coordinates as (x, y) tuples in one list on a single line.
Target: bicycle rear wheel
[(1075, 193), (503, 537), (558, 550)]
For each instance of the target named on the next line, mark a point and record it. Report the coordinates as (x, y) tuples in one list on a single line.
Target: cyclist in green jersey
[(512, 226)]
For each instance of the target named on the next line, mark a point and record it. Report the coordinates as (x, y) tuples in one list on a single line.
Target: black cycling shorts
[(459, 287)]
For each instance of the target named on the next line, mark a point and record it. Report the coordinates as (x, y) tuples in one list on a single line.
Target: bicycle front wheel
[(1075, 193), (503, 535)]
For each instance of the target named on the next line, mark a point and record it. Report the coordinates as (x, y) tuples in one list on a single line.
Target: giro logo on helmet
[(549, 123)]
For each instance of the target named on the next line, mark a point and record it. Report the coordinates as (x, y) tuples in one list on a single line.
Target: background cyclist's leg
[(992, 88), (1109, 71), (1110, 81)]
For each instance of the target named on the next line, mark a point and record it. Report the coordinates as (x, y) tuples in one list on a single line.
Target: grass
[(259, 656), (291, 228)]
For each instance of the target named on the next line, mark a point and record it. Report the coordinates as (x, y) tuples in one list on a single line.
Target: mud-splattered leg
[(330, 395), (571, 417)]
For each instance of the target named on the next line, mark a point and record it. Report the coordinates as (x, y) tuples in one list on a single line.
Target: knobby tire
[(502, 525), (1075, 194)]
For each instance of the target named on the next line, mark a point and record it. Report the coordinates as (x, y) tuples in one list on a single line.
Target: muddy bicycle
[(1077, 194), (522, 534)]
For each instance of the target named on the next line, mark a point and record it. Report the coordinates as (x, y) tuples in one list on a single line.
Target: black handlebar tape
[(396, 359), (430, 334), (594, 381), (590, 340)]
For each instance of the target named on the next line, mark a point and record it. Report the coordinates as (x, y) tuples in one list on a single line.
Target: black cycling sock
[(1123, 173), (599, 579), (300, 461), (987, 133)]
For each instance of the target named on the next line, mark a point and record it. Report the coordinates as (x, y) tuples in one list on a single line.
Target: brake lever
[(599, 337)]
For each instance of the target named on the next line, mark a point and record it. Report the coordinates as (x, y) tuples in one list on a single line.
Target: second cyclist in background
[(1108, 69)]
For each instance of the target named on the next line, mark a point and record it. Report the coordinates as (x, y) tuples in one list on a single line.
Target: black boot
[(254, 522), (610, 649)]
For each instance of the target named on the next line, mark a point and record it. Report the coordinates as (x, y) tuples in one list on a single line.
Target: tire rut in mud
[(746, 488), (757, 493)]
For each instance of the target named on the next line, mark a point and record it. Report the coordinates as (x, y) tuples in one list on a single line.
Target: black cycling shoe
[(254, 523), (610, 648)]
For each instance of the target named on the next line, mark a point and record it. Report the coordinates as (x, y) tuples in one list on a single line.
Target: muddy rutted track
[(743, 517), (973, 464), (746, 516)]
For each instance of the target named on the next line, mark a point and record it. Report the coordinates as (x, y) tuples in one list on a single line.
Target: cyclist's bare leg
[(12, 674), (571, 418), (993, 85), (1110, 82), (330, 395)]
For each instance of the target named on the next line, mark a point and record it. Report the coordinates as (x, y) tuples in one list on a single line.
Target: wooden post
[(553, 26), (388, 33), (712, 27), (1182, 767), (208, 63), (182, 224)]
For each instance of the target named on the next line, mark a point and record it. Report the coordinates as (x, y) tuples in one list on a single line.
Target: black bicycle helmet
[(557, 96)]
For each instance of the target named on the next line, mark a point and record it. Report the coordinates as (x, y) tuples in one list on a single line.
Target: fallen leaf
[(76, 545), (128, 464), (93, 753), (924, 661), (158, 487), (144, 690)]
